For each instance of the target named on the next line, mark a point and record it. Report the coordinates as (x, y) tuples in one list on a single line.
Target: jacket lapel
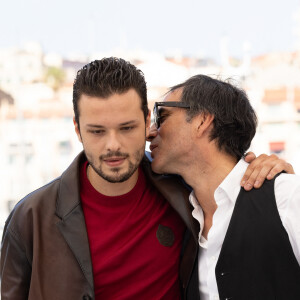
[(72, 224)]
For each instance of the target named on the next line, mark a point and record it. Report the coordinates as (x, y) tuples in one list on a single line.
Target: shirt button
[(216, 297), (213, 259)]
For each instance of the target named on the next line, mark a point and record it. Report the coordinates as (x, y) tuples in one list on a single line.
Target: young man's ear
[(77, 130)]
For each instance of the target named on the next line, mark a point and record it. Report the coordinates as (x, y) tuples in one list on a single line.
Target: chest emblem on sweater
[(165, 235)]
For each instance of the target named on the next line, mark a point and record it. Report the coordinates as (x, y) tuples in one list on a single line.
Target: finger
[(249, 157), (272, 165), (278, 167), (248, 185), (254, 161), (254, 164), (264, 167), (260, 177), (257, 171)]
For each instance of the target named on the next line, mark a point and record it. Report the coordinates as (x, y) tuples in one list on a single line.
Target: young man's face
[(112, 131), (173, 140)]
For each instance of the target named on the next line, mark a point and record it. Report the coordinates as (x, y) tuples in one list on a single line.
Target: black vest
[(256, 260)]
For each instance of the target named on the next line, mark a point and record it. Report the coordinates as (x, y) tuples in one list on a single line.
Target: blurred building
[(19, 66), (274, 88), (37, 144), (37, 138)]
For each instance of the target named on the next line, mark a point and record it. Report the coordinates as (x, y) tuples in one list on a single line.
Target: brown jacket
[(45, 250)]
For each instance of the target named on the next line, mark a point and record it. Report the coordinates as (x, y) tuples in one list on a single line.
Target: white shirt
[(287, 194)]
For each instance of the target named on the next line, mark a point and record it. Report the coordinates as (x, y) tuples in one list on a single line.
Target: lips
[(114, 161), (152, 147)]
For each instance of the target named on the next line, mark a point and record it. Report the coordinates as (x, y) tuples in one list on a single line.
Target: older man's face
[(172, 141)]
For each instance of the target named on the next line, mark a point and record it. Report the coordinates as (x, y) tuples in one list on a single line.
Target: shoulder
[(34, 203), (41, 205), (29, 217), (173, 179), (43, 196), (36, 197), (287, 184), (287, 179), (287, 192)]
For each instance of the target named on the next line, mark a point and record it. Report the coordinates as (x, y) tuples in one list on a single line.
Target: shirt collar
[(193, 200), (231, 184)]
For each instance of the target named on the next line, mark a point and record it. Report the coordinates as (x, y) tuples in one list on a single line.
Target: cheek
[(134, 141), (174, 141), (167, 137), (93, 146)]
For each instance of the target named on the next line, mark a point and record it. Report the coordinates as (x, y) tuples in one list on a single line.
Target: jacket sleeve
[(15, 268)]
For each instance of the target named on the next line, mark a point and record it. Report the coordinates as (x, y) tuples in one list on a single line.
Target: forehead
[(115, 107), (173, 96), (123, 102)]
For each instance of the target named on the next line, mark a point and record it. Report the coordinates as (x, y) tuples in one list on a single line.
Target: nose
[(152, 133), (113, 143)]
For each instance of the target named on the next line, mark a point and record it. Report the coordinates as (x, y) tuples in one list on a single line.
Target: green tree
[(55, 77)]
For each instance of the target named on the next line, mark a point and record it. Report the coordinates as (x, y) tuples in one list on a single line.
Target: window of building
[(277, 147)]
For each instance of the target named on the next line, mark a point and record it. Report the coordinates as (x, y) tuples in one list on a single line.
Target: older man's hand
[(262, 167)]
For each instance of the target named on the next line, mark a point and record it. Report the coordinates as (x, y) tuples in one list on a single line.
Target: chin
[(156, 168)]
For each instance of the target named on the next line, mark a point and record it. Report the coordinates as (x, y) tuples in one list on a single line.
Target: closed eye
[(162, 118), (127, 128), (97, 131)]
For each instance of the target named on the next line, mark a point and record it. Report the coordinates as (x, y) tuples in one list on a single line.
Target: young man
[(249, 242), (107, 228)]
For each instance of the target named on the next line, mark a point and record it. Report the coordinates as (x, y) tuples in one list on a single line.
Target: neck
[(109, 188), (206, 175)]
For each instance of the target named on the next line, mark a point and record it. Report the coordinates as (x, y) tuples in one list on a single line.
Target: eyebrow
[(163, 110), (131, 122), (94, 126)]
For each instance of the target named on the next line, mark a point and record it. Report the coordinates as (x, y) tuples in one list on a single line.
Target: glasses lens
[(156, 115)]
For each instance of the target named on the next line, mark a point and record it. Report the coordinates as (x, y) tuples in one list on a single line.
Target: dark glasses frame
[(156, 114)]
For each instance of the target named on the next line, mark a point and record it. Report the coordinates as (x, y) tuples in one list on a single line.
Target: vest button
[(223, 274)]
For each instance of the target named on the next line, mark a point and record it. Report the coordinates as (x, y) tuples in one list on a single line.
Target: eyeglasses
[(156, 114)]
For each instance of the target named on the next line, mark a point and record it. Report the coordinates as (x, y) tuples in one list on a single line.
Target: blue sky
[(190, 27)]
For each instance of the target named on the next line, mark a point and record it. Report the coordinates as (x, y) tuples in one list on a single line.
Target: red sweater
[(135, 241)]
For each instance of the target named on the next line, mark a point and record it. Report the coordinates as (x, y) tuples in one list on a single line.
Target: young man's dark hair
[(234, 123), (108, 76)]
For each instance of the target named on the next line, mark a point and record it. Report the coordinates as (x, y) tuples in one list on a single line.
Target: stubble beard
[(117, 176)]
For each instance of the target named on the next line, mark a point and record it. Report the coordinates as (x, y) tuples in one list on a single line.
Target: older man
[(249, 242)]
